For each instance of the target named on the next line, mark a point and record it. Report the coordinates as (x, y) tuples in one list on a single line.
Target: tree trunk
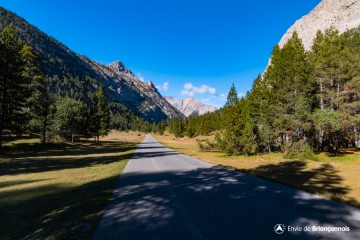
[(337, 94), (321, 94), (321, 139), (332, 94), (269, 148), (1, 136), (43, 132), (72, 137), (1, 120), (357, 138)]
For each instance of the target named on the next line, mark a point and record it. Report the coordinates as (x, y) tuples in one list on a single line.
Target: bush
[(205, 145), (300, 150)]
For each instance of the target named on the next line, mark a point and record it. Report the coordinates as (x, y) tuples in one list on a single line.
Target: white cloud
[(165, 86), (187, 93), (191, 90), (188, 86), (206, 100), (140, 77)]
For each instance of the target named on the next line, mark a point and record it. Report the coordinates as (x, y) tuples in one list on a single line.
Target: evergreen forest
[(305, 102), (34, 104)]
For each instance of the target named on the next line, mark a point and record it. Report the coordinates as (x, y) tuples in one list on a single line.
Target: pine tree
[(40, 101), (70, 118), (13, 87), (229, 142), (284, 96), (334, 67), (247, 139), (299, 91), (260, 108), (350, 96), (264, 97), (102, 114), (232, 97), (176, 127), (190, 127)]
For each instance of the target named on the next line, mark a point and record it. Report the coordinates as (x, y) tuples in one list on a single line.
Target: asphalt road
[(165, 195)]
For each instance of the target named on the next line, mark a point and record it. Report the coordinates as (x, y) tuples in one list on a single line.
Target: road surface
[(166, 195)]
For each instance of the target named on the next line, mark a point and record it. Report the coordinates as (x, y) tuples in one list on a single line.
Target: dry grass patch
[(59, 191), (124, 136), (335, 177)]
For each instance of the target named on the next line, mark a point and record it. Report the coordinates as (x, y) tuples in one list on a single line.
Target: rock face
[(341, 14), (119, 68), (190, 106), (119, 82), (124, 87)]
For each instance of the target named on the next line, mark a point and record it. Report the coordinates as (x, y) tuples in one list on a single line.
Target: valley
[(197, 136)]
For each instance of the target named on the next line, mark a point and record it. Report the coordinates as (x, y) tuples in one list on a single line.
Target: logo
[(279, 228)]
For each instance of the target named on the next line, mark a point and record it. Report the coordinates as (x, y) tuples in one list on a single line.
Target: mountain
[(69, 70), (190, 106), (341, 14)]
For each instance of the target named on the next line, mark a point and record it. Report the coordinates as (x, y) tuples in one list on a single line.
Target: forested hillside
[(77, 76), (29, 105), (306, 101)]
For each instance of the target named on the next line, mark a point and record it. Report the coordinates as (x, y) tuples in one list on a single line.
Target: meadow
[(58, 191)]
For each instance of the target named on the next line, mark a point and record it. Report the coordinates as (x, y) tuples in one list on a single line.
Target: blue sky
[(194, 48)]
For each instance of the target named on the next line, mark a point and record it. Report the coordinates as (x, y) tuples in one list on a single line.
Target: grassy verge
[(335, 177), (58, 192)]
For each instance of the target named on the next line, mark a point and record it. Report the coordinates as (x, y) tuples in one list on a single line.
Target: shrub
[(205, 145), (300, 150)]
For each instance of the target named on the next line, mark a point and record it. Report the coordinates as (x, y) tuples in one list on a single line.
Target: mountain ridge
[(120, 84), (190, 106)]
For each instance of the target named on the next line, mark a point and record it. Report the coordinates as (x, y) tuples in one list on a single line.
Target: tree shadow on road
[(218, 203)]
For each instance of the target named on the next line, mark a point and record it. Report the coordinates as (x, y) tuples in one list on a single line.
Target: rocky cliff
[(341, 14), (190, 106)]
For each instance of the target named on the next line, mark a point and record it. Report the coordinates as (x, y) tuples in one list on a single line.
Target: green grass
[(57, 192), (342, 157)]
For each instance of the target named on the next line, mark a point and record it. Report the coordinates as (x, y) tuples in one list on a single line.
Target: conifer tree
[(102, 114), (229, 142), (247, 139), (190, 127), (176, 127), (285, 94), (334, 67), (232, 97), (40, 101), (260, 106), (13, 87), (70, 118)]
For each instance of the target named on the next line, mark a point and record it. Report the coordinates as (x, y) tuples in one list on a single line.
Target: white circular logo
[(279, 228)]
